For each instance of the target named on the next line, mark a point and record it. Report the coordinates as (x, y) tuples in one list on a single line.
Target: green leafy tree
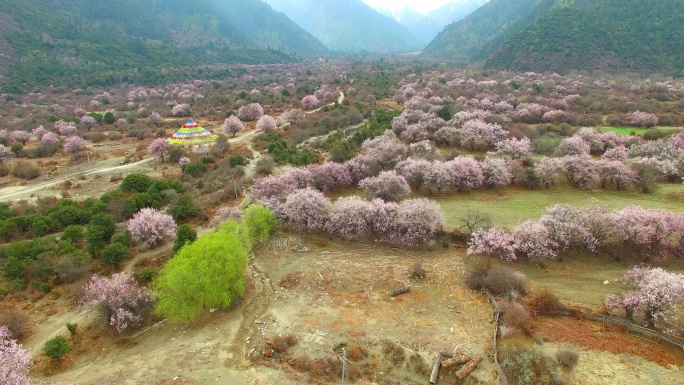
[(72, 234), (108, 118), (236, 160), (182, 208), (136, 182), (184, 234), (99, 232), (14, 268), (124, 238), (208, 273), (195, 168), (259, 222), (55, 348), (445, 112), (114, 253)]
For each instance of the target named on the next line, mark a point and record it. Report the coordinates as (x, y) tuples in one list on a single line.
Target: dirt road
[(13, 193)]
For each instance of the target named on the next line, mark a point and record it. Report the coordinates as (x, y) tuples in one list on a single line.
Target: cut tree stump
[(464, 371), (397, 292), (434, 376)]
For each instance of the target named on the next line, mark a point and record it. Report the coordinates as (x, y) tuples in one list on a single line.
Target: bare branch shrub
[(545, 302), (567, 358), (15, 320)]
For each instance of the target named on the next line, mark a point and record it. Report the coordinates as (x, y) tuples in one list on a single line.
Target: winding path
[(17, 192)]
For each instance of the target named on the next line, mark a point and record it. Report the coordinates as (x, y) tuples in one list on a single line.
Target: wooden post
[(434, 376), (344, 364)]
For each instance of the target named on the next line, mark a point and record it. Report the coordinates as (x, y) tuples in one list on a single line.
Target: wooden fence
[(497, 312), (654, 335)]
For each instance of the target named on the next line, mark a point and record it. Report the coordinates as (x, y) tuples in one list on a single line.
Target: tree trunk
[(464, 371), (629, 313), (458, 357), (434, 376), (650, 322), (451, 362)]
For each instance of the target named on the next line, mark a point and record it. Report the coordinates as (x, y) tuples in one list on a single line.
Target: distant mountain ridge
[(348, 25), (481, 33), (102, 42), (426, 27), (564, 35)]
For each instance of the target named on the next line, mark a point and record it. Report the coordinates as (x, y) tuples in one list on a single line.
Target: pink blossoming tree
[(151, 226), (65, 128), (250, 112), (307, 209), (266, 124), (74, 145), (309, 102), (653, 292), (122, 302), (159, 147), (15, 360), (388, 185), (495, 242), (232, 125)]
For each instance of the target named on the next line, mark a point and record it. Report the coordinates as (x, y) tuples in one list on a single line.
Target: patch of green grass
[(637, 130), (578, 279), (509, 206)]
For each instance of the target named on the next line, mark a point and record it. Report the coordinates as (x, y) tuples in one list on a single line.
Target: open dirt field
[(328, 295)]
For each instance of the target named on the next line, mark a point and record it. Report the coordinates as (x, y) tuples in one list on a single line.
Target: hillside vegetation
[(84, 43), (609, 35), (478, 35), (556, 35)]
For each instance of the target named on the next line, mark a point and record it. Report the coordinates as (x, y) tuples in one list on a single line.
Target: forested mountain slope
[(609, 35), (562, 35), (482, 32), (102, 42)]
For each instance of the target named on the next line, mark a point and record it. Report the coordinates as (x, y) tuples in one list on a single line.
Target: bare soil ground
[(337, 295), (328, 294)]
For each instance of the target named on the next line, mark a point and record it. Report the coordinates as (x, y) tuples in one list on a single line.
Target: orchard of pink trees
[(459, 131)]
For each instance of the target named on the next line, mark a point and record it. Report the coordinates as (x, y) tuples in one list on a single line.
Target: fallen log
[(464, 371), (397, 292), (451, 362), (434, 376)]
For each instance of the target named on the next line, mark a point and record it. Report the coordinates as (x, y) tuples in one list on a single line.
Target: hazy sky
[(423, 6)]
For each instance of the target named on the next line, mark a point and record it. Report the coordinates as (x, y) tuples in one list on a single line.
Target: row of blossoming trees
[(388, 169), (622, 157), (654, 233), (652, 293)]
